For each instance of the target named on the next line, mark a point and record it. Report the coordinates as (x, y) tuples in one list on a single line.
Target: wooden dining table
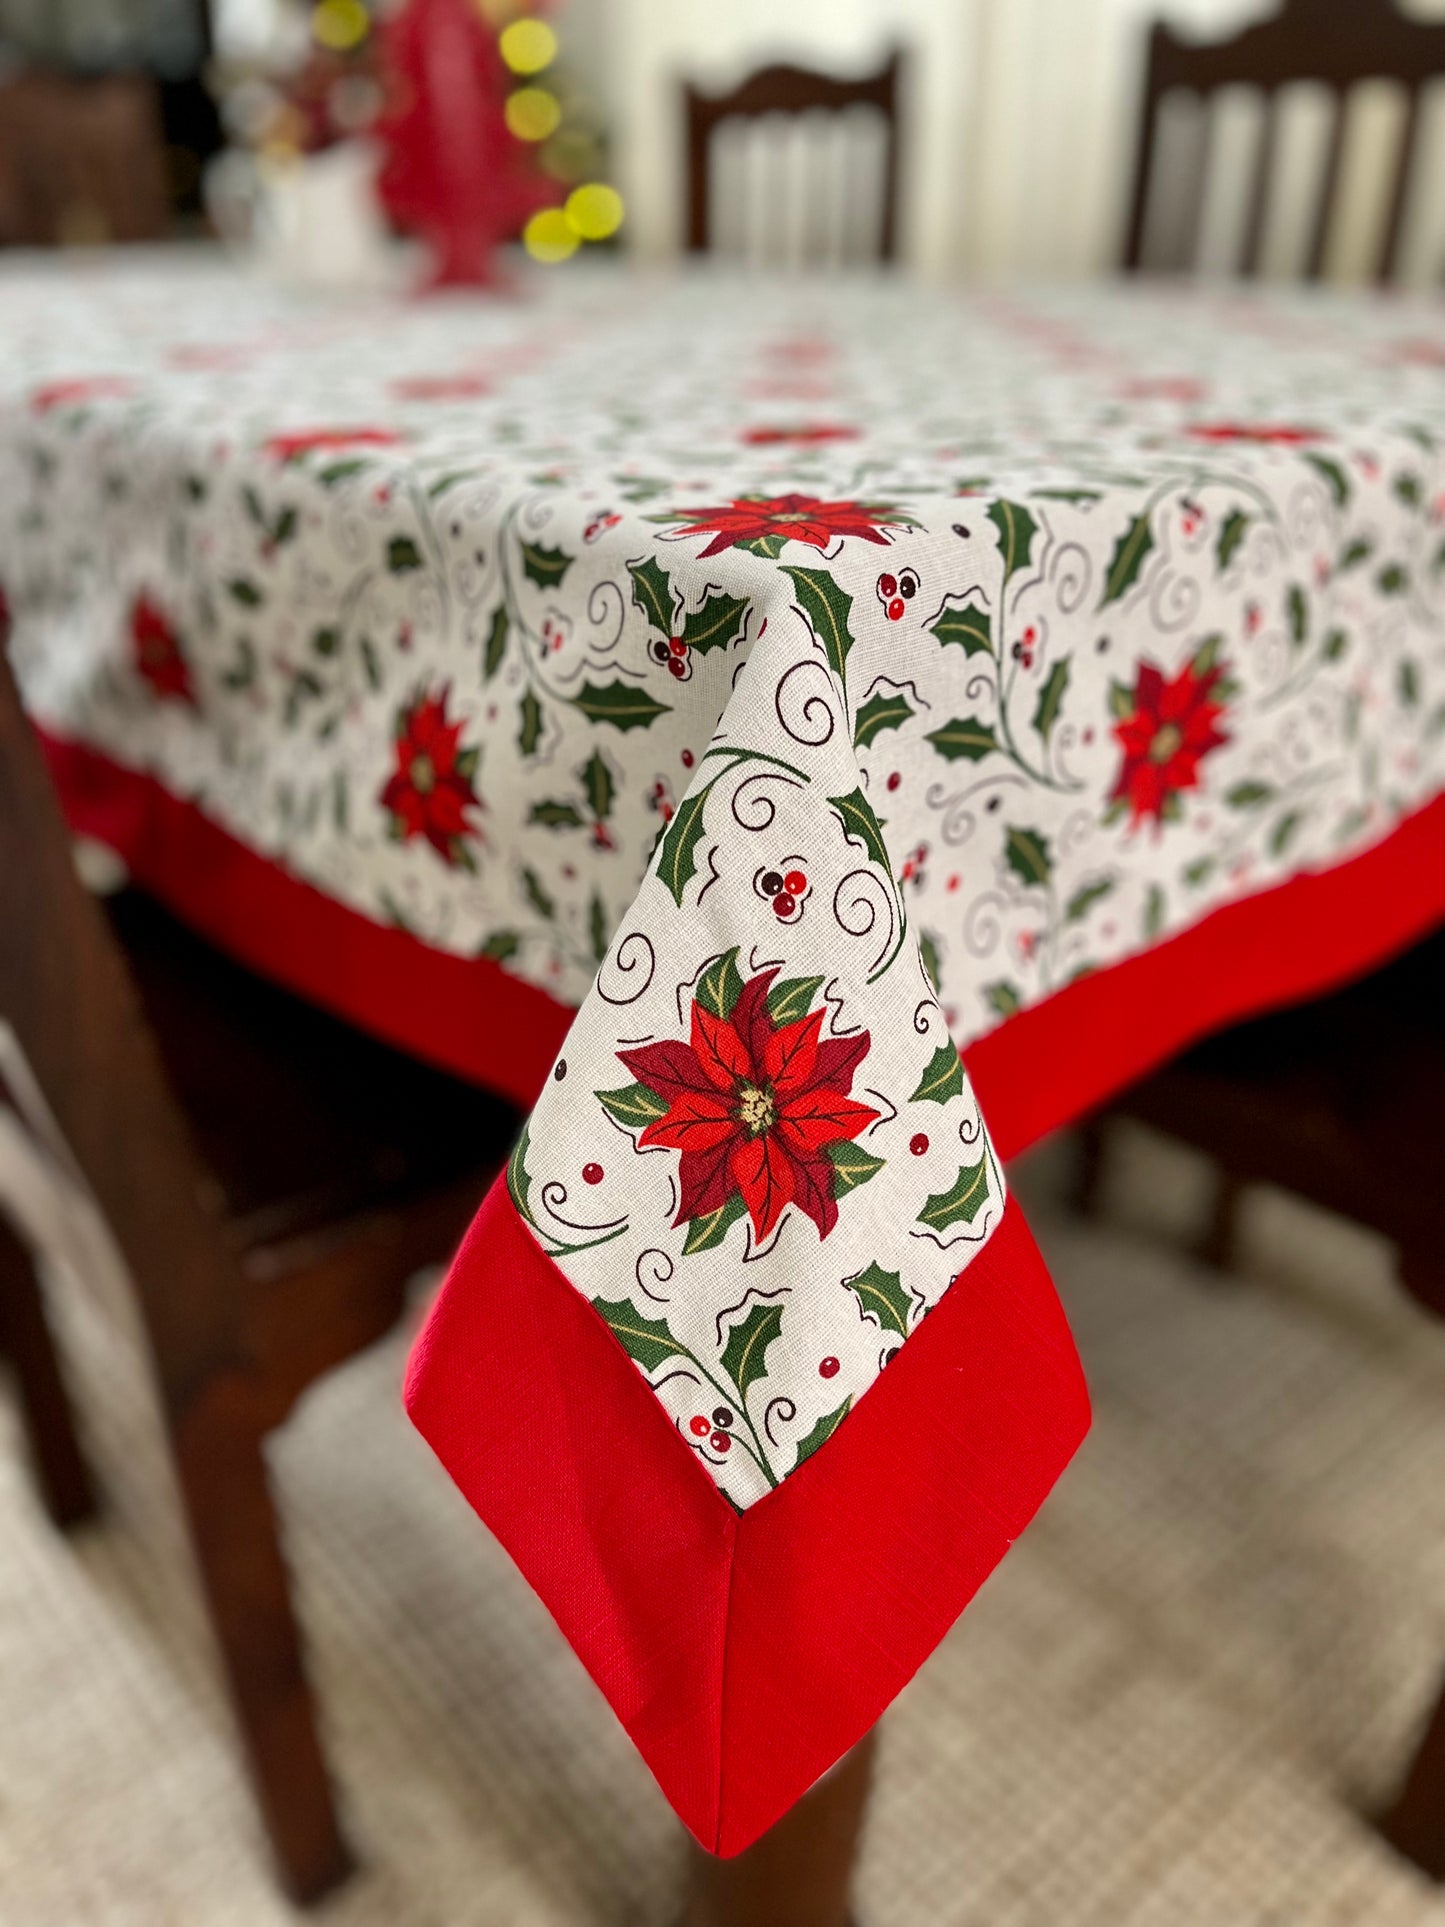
[(803, 741)]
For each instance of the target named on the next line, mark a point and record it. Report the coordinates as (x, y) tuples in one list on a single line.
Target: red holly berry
[(828, 1368), (720, 1442), (687, 759), (592, 1174), (771, 883), (700, 1427), (894, 780), (896, 608), (796, 882), (783, 904), (887, 586), (677, 646), (918, 1145), (677, 668)]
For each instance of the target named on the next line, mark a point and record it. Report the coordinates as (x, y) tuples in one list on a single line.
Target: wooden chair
[(1338, 1101), (81, 160), (272, 1180), (1337, 43), (789, 92)]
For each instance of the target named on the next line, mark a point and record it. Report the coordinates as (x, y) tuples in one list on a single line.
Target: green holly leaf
[(1083, 900), (1027, 855), (1334, 645), (1231, 534), (1282, 835), (961, 1202), (619, 703), (325, 641), (537, 896), (501, 945), (1407, 489), (402, 554), (1003, 998), (852, 1166), (878, 714), (770, 547), (718, 624), (966, 736), (337, 472), (254, 507), (677, 855), (1016, 531), (1407, 683), (598, 785), (745, 1356), (285, 526), (1296, 613), (792, 997), (882, 1296), (1153, 911), (545, 567), (1127, 560), (943, 1079), (970, 628), (720, 985), (633, 1106), (246, 593), (822, 1432), (1248, 796), (597, 926), (827, 608), (652, 592), (530, 732), (556, 816), (1199, 871), (928, 953), (1353, 553), (1051, 698), (519, 1181), (1393, 579), (709, 1230), (860, 825), (369, 662), (496, 643), (1333, 476), (647, 1341)]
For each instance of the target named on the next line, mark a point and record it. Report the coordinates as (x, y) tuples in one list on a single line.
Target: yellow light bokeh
[(340, 24), (528, 46), (550, 236), (594, 211), (532, 113)]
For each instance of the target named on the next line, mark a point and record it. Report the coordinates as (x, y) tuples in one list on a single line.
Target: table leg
[(25, 1333), (800, 1873), (1415, 1823)]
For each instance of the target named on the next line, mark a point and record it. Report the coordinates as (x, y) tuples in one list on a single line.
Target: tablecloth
[(698, 708)]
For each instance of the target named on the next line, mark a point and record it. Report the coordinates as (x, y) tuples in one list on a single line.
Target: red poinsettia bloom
[(807, 433), (775, 519), (1171, 727), (1276, 432), (753, 1106), (440, 387), (81, 388), (431, 790), (301, 441), (156, 651)]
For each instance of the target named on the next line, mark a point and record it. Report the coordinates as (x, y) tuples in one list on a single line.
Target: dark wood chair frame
[(1335, 42), (789, 90), (1337, 1101), (237, 1327)]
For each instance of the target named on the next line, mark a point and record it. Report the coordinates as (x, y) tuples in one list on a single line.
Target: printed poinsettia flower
[(1280, 433), (808, 434), (157, 653), (440, 387), (1165, 729), (431, 789), (765, 522), (757, 1108), (81, 388), (301, 441)]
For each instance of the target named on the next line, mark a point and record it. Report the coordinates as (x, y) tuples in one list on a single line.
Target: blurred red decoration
[(453, 172)]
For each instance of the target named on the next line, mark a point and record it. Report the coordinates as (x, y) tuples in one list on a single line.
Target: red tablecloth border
[(745, 1654), (1039, 1070)]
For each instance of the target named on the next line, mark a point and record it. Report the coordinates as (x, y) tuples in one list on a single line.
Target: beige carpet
[(1169, 1707)]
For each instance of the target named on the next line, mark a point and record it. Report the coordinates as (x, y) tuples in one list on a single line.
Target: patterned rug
[(1170, 1706)]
